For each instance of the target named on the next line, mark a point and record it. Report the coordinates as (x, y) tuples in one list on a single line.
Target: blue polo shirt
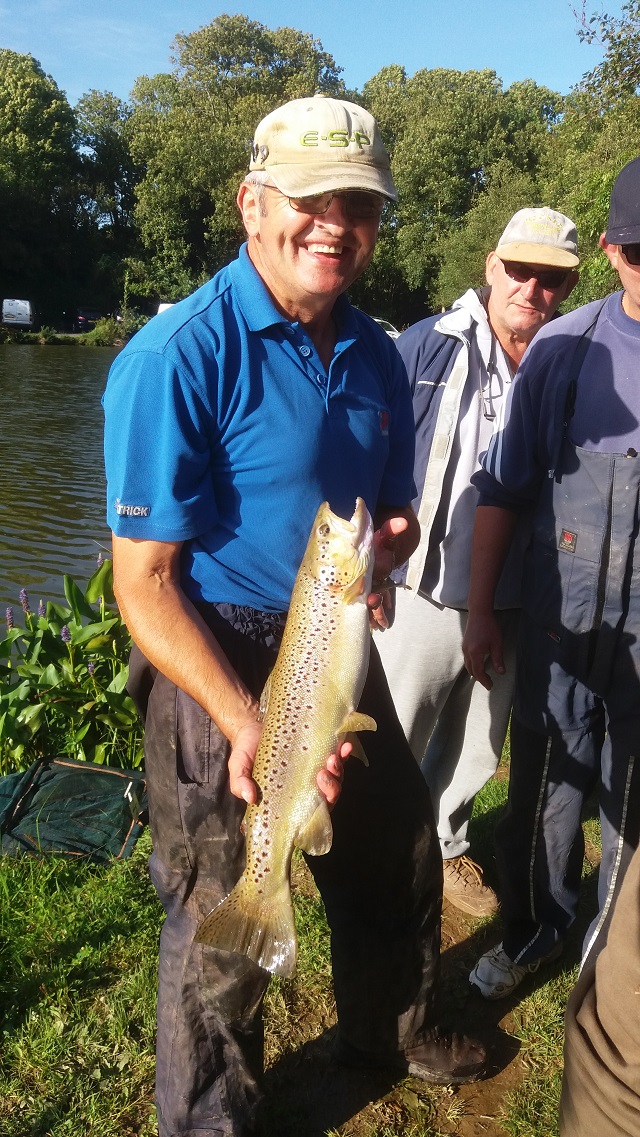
[(225, 432)]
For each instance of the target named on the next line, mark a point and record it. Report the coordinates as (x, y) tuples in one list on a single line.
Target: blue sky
[(108, 44)]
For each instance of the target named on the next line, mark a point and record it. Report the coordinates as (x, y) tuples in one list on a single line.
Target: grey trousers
[(455, 727), (381, 884)]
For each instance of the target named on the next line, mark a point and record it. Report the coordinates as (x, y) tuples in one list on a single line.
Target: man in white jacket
[(460, 367)]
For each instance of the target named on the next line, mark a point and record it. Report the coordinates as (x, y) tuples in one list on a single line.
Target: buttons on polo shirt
[(305, 351)]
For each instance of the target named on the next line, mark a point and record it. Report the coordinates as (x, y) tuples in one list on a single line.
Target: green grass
[(78, 960)]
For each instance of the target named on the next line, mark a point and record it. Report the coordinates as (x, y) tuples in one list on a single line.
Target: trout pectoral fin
[(357, 749), (316, 836), (353, 591), (357, 721), (264, 699)]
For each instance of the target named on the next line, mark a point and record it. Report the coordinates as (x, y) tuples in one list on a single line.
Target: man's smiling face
[(306, 261)]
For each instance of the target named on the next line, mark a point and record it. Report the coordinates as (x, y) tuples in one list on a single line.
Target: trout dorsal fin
[(316, 836)]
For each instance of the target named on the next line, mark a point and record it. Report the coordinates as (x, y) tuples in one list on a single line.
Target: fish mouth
[(361, 526)]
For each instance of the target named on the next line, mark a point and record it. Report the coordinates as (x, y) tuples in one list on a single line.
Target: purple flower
[(24, 600), (10, 623), (65, 634), (42, 611), (91, 668), (99, 559)]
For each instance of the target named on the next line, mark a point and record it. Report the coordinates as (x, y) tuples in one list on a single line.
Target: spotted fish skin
[(309, 706)]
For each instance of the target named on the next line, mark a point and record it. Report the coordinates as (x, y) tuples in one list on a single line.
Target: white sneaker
[(496, 975)]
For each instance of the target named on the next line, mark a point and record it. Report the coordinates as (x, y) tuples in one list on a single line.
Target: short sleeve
[(157, 441)]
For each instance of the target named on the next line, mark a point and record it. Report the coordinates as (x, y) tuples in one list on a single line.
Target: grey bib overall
[(576, 716)]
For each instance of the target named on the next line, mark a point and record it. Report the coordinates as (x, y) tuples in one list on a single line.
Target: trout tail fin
[(252, 924)]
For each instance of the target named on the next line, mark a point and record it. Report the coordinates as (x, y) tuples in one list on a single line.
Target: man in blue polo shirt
[(228, 420)]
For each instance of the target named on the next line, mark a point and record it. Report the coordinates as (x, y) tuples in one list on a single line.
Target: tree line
[(111, 200)]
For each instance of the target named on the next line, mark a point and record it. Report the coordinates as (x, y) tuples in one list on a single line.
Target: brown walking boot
[(464, 887), (445, 1058), (438, 1056)]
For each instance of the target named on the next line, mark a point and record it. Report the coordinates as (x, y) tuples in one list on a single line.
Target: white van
[(18, 314)]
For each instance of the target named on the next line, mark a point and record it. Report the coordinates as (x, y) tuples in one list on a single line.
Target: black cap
[(624, 209)]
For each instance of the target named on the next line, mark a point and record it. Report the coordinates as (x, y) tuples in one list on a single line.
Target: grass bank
[(78, 957), (108, 332)]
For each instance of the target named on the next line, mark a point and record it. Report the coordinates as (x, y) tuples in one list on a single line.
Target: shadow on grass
[(70, 949), (307, 1093), (459, 1001)]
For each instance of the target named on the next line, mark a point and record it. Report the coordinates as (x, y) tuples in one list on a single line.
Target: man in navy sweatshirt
[(569, 451)]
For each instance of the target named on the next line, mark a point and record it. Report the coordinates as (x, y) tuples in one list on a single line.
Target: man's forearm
[(173, 636), (492, 535)]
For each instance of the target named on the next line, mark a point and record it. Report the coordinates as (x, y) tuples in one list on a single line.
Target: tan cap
[(319, 144), (540, 237)]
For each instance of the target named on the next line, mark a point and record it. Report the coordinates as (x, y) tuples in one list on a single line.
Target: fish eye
[(323, 530)]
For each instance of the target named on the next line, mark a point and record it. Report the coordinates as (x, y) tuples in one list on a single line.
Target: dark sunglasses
[(359, 204), (631, 254), (550, 278)]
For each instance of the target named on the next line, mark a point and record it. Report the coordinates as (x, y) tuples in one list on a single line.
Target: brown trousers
[(601, 1084)]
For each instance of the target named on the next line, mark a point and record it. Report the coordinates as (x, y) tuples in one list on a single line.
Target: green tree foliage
[(597, 136), (191, 130), (447, 130), (36, 128), (147, 190), (618, 76), (108, 171), (38, 164), (465, 249), (107, 179)]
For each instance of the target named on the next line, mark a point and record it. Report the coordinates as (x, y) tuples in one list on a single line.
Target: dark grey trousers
[(381, 884), (566, 739)]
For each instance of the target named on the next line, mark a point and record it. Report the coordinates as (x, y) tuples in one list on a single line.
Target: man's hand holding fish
[(393, 543), (243, 756)]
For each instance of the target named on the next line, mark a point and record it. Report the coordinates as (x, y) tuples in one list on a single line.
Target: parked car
[(19, 314), (85, 319), (388, 328)]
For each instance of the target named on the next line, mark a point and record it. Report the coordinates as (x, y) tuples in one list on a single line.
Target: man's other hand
[(243, 755), (482, 645)]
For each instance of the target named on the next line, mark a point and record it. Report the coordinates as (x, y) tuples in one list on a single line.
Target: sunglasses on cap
[(631, 254), (549, 278), (360, 205)]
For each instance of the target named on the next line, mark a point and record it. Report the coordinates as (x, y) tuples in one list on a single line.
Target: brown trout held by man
[(309, 706)]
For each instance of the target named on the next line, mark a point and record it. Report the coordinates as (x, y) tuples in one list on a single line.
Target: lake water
[(52, 486)]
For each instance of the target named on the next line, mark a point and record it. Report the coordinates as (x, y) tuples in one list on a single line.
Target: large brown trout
[(309, 706)]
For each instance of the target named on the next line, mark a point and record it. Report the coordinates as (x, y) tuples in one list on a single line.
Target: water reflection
[(52, 511)]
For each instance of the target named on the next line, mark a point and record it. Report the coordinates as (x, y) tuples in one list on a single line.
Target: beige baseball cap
[(541, 237), (319, 144)]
